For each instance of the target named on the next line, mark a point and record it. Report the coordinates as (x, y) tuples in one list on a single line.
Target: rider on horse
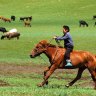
[(68, 44)]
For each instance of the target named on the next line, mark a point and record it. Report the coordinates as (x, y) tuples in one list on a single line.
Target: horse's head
[(39, 49)]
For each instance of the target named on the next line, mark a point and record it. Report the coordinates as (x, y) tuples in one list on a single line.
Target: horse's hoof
[(67, 86), (95, 88), (46, 82), (39, 85)]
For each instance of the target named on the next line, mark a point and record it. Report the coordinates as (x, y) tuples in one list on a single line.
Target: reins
[(43, 58), (58, 43), (46, 48), (55, 54)]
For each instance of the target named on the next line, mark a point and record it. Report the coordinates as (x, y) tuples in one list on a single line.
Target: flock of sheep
[(84, 23), (9, 34), (13, 32)]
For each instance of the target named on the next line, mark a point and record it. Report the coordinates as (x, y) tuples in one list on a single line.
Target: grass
[(26, 86), (19, 50), (48, 18)]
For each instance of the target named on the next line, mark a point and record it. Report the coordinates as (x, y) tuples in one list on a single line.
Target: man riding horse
[(80, 59)]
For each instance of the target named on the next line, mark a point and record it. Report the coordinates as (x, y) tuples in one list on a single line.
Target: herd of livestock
[(12, 18), (9, 34), (13, 32), (84, 23), (27, 22)]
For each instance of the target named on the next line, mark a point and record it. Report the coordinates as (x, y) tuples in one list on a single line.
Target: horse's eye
[(37, 47), (36, 50)]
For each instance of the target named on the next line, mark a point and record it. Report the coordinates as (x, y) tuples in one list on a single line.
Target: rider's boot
[(68, 61)]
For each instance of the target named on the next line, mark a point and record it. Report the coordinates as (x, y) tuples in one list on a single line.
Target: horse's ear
[(43, 42)]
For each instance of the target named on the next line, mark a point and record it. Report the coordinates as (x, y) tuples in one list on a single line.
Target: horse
[(84, 23), (80, 59)]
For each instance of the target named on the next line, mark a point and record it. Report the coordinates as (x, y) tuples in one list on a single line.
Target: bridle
[(43, 48), (37, 50)]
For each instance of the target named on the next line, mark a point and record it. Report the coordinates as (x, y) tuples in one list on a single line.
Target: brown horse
[(80, 59)]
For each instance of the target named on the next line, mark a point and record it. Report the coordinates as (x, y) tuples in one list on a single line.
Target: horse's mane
[(51, 45), (44, 42)]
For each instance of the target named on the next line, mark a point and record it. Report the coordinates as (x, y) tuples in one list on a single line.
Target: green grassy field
[(48, 18)]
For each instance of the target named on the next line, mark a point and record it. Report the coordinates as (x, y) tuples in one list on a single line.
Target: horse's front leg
[(45, 71), (48, 74)]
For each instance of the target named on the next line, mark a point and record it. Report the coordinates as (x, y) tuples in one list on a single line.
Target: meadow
[(19, 74)]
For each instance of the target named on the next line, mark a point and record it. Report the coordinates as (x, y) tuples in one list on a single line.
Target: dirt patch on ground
[(13, 69), (19, 69), (24, 69)]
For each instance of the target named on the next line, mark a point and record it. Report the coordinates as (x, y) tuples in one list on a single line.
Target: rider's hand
[(54, 37)]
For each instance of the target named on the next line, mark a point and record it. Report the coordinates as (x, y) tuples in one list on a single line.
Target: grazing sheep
[(10, 35), (26, 18), (27, 23), (84, 23), (13, 30), (1, 17), (6, 19), (13, 18), (94, 17), (2, 29)]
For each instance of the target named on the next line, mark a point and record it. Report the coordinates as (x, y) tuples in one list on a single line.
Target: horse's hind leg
[(79, 74), (93, 75)]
